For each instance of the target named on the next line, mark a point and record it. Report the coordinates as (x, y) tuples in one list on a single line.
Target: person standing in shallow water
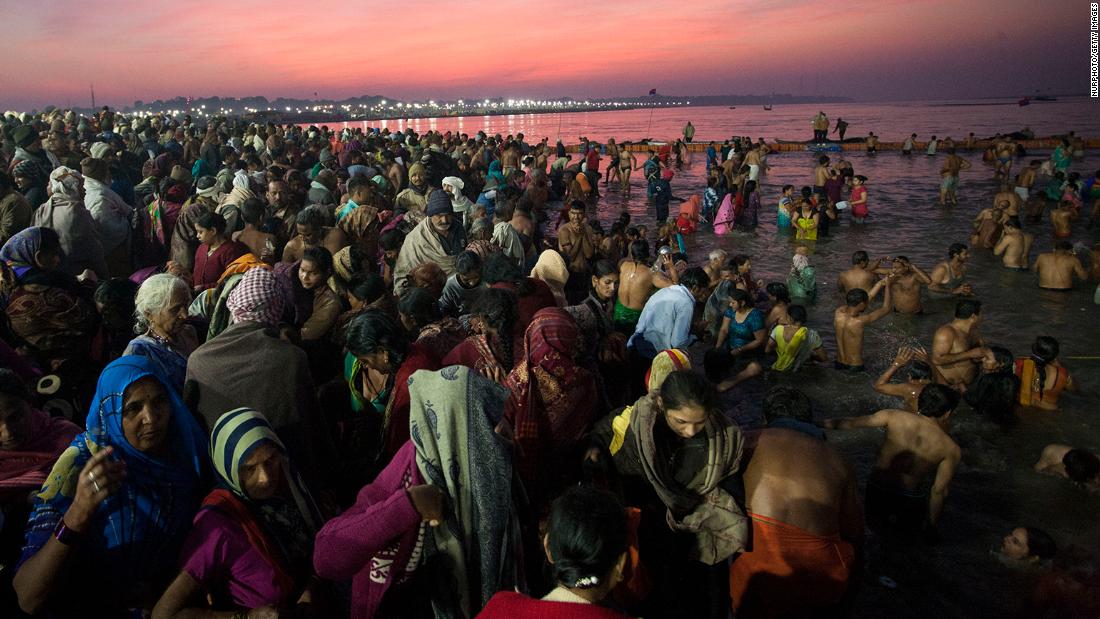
[(849, 322)]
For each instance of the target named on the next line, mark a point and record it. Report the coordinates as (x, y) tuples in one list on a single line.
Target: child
[(858, 201)]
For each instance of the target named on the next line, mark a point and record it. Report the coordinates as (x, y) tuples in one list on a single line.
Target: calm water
[(890, 121), (994, 489)]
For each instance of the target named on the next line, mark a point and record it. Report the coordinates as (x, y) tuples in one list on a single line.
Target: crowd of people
[(265, 371)]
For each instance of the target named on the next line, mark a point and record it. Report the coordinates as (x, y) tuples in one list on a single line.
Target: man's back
[(914, 447), (856, 277)]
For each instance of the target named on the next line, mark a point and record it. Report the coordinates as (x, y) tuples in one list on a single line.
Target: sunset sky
[(420, 49)]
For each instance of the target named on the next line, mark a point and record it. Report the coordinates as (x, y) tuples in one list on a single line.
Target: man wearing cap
[(437, 238), (110, 213), (28, 147), (15, 211)]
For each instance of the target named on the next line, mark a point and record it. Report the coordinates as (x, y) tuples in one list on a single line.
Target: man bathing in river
[(907, 283), (1057, 268), (849, 322), (957, 347), (947, 277), (921, 374), (950, 175), (636, 282), (861, 275), (1014, 246), (1076, 465), (917, 447)]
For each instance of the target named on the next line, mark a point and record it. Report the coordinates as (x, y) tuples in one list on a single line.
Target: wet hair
[(253, 210), (741, 296), (695, 277), (919, 370), (955, 250), (780, 291), (586, 536), (861, 178), (211, 221), (1063, 246), (375, 330), (860, 257), (419, 307), (937, 400), (797, 314), (577, 205), (319, 256), (1003, 357), (603, 268), (13, 386), (685, 388), (310, 216), (391, 239), (367, 286), (856, 296), (639, 250), (967, 307), (153, 296), (750, 187), (806, 192), (1081, 466), (497, 308), (786, 401), (1040, 544), (788, 187), (468, 262), (1043, 351), (1013, 221), (739, 260), (823, 159)]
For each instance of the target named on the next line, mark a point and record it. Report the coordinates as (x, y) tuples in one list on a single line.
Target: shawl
[(723, 220), (25, 468), (423, 245), (495, 174), (701, 508), (18, 252), (136, 532), (110, 213), (235, 436), (717, 304), (454, 414), (507, 238), (74, 224), (258, 297), (665, 363), (442, 336), (242, 265), (551, 269), (553, 399)]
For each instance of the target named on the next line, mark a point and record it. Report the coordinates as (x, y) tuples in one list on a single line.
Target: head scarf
[(257, 298), (453, 417), (66, 182), (551, 269), (31, 170), (145, 521), (240, 180), (99, 150), (554, 398), (495, 174), (235, 436), (665, 363), (417, 168), (26, 468), (18, 252), (454, 182)]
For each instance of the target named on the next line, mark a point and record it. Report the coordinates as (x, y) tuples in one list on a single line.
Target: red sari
[(553, 401), (209, 268)]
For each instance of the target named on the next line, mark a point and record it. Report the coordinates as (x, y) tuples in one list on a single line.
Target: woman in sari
[(215, 252), (251, 546), (118, 503), (490, 352), (448, 490), (160, 313), (49, 309), (419, 313), (604, 348), (553, 404)]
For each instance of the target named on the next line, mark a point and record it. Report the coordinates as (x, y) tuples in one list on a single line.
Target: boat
[(1045, 98), (1024, 101), (733, 107), (767, 108)]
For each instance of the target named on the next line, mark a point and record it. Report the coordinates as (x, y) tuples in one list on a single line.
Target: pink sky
[(420, 49)]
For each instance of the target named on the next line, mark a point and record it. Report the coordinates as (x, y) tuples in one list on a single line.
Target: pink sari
[(27, 468), (723, 221)]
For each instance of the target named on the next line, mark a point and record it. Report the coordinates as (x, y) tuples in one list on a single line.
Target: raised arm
[(883, 384), (887, 306)]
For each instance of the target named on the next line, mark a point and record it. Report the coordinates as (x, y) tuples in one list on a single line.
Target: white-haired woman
[(160, 313)]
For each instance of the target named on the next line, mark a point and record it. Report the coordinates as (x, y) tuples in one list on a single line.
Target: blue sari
[(133, 541)]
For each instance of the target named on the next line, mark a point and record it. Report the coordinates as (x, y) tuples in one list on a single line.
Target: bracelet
[(65, 535)]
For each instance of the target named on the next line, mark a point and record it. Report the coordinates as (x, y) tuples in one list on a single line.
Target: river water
[(994, 489)]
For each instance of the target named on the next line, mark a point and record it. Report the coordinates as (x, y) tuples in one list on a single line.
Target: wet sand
[(994, 489)]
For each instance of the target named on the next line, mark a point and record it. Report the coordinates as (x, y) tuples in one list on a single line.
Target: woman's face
[(745, 268), (15, 417), (686, 421), (377, 360), (989, 362), (311, 275), (261, 474), (1014, 544), (146, 411), (416, 178), (171, 319), (605, 287), (205, 235)]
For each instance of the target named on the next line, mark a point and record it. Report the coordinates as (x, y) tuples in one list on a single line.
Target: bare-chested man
[(261, 244), (1057, 269), (861, 275), (1026, 178), (849, 322), (957, 348), (796, 485), (509, 159), (1014, 246), (636, 282), (950, 175), (752, 160), (988, 225), (947, 276), (916, 448), (908, 281), (921, 374), (821, 174), (1004, 150), (309, 224), (1062, 218), (1008, 200), (1076, 465)]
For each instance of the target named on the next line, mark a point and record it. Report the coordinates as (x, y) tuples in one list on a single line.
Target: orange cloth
[(788, 570), (242, 265), (1030, 380)]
